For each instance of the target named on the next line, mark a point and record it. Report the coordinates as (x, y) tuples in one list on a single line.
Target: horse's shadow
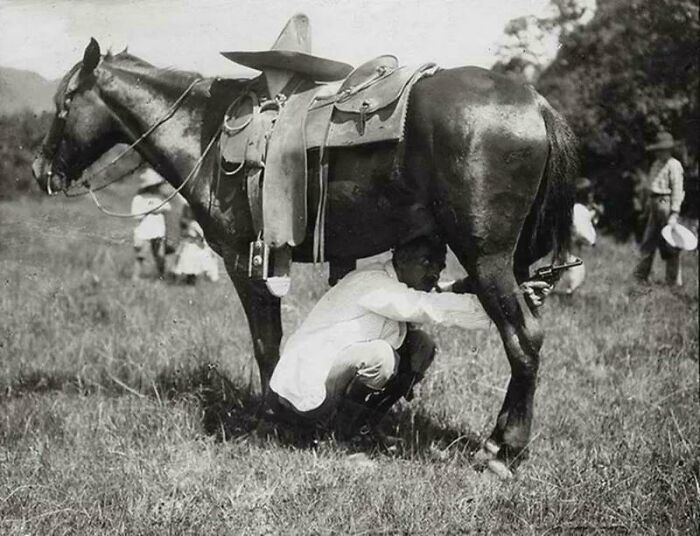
[(230, 411)]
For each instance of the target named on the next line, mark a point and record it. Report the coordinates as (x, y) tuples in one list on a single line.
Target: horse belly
[(364, 209)]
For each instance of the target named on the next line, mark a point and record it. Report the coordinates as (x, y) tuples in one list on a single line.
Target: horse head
[(82, 130)]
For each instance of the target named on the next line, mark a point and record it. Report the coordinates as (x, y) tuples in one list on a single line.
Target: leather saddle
[(269, 139)]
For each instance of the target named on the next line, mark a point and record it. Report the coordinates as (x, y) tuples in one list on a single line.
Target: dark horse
[(487, 160)]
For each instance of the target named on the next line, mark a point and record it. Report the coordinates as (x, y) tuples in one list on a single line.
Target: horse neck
[(140, 98)]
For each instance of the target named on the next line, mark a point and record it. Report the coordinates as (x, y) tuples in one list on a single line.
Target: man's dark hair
[(410, 251)]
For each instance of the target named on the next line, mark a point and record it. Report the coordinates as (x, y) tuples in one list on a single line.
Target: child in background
[(150, 231), (194, 256), (583, 234)]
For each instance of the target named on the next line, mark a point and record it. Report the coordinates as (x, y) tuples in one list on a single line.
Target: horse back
[(463, 101)]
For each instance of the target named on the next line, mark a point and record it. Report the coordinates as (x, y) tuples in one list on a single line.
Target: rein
[(191, 174)]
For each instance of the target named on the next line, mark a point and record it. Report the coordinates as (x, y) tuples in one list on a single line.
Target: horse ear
[(91, 57)]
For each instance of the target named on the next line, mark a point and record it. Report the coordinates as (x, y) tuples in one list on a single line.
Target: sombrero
[(679, 237), (664, 140), (149, 178), (292, 52)]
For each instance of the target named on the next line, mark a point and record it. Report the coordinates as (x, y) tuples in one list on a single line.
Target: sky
[(49, 36)]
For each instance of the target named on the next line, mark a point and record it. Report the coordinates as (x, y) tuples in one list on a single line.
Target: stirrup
[(279, 281), (270, 265)]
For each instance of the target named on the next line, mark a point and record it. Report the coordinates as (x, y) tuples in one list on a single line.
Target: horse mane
[(169, 79)]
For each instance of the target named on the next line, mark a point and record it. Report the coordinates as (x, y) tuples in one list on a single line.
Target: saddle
[(270, 140)]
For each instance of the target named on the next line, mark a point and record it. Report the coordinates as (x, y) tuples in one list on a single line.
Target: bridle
[(58, 129)]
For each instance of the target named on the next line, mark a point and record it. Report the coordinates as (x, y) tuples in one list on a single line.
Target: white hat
[(679, 237), (150, 177)]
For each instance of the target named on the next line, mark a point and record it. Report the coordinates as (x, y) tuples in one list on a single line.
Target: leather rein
[(57, 134)]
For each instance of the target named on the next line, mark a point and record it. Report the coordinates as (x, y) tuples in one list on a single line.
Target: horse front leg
[(522, 338), (262, 310)]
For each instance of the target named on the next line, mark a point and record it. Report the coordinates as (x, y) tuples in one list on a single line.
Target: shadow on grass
[(230, 411), (421, 434), (40, 381)]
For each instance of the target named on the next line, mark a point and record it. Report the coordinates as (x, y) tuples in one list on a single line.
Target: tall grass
[(115, 397)]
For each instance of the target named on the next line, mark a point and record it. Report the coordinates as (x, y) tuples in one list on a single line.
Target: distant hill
[(20, 90)]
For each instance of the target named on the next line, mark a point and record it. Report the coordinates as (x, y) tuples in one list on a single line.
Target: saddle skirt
[(271, 138)]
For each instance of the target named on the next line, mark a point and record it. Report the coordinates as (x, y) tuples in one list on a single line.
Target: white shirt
[(152, 225), (365, 305), (666, 178)]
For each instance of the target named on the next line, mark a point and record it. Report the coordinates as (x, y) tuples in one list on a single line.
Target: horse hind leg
[(485, 215)]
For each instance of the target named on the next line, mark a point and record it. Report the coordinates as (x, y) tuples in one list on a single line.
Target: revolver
[(551, 274)]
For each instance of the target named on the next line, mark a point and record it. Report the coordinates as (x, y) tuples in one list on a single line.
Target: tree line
[(619, 77)]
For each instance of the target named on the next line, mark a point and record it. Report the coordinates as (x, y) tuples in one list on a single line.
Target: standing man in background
[(665, 189)]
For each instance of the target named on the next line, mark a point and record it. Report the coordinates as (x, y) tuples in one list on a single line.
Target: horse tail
[(548, 226)]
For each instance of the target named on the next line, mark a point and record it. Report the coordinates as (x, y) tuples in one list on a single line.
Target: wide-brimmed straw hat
[(664, 140), (583, 183), (292, 52), (149, 178), (679, 237)]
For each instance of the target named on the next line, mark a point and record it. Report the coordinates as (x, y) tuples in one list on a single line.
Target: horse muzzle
[(49, 180)]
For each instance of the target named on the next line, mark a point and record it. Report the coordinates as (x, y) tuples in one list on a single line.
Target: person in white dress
[(149, 207), (583, 234), (194, 257)]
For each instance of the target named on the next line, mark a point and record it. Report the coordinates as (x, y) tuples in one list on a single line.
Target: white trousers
[(372, 363)]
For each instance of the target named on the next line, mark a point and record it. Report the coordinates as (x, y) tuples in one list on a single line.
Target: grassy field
[(113, 394)]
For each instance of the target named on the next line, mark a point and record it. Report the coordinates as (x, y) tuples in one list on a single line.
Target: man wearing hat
[(665, 189), (149, 206)]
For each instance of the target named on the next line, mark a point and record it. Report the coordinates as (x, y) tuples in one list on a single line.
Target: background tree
[(530, 43), (628, 73)]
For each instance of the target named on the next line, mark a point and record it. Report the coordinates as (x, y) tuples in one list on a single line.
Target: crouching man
[(358, 352)]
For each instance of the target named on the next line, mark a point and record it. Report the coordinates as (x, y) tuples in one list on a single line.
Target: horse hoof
[(482, 457), (500, 469), (488, 452)]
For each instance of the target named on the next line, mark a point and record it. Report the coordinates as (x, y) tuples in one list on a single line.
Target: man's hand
[(535, 292), (673, 219)]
